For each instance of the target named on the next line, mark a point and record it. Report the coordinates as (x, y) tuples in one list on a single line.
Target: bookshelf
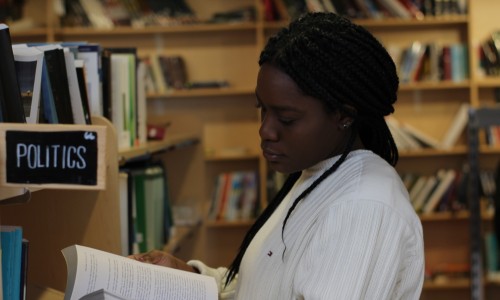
[(230, 51), (55, 218)]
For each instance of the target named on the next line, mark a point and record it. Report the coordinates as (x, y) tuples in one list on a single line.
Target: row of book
[(409, 137), (235, 196), (489, 181), (146, 212), (68, 82), (107, 14), (165, 73), (123, 94), (374, 9), (45, 83), (431, 62), (138, 13), (492, 255), (447, 189), (436, 192), (13, 263), (493, 136), (489, 55)]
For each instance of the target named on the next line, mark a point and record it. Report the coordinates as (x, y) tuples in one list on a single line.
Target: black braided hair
[(344, 66)]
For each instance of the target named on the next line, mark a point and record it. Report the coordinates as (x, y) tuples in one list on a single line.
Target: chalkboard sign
[(51, 157), (32, 156)]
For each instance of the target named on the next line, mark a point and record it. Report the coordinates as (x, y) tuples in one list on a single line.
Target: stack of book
[(146, 212), (375, 9), (409, 137), (235, 196)]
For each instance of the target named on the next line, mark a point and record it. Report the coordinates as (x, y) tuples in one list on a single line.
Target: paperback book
[(93, 271)]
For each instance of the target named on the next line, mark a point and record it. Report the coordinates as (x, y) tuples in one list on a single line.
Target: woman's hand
[(161, 258)]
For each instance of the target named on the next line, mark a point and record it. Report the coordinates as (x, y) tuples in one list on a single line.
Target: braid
[(342, 65), (268, 211)]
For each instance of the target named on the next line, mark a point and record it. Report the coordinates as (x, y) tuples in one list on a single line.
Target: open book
[(91, 270)]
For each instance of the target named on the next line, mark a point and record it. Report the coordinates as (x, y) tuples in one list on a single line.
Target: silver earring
[(346, 125)]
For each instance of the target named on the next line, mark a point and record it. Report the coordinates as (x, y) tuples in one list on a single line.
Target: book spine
[(10, 99)]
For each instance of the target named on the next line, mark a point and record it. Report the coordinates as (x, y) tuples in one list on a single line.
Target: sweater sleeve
[(225, 292), (362, 250)]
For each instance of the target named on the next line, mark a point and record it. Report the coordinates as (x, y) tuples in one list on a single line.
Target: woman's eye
[(286, 121)]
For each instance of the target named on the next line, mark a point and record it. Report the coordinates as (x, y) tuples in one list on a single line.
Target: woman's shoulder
[(377, 181)]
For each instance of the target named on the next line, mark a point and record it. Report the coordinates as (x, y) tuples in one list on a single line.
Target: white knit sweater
[(355, 236)]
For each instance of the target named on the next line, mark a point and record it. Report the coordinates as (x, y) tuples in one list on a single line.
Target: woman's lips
[(271, 155)]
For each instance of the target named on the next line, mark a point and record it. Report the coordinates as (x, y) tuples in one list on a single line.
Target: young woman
[(342, 227)]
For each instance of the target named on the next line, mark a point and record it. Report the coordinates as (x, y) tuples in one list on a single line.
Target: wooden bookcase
[(230, 52), (56, 218)]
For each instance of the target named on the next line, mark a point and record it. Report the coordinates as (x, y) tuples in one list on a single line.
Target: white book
[(142, 111), (396, 9), (410, 61), (90, 270), (403, 140), (159, 78), (120, 95), (417, 187), (97, 14), (29, 64), (445, 181), (124, 213), (424, 193), (327, 4), (423, 137), (154, 197), (74, 89), (314, 5), (456, 128), (90, 54)]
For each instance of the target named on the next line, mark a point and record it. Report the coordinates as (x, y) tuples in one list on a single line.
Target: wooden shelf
[(462, 215), (488, 82), (485, 149), (185, 28), (228, 224), (171, 142), (428, 152), (434, 85), (229, 157), (34, 291), (456, 283), (14, 195), (205, 92), (396, 23), (445, 216), (460, 150), (427, 21), (32, 32)]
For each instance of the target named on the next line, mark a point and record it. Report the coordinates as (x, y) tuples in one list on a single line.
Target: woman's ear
[(347, 116)]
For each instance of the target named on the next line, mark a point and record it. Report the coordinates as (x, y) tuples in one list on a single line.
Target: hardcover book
[(29, 64), (11, 104)]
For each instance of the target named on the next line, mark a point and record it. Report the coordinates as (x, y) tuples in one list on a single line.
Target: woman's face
[(296, 130)]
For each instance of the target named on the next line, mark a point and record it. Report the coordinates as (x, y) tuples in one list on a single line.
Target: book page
[(90, 270)]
